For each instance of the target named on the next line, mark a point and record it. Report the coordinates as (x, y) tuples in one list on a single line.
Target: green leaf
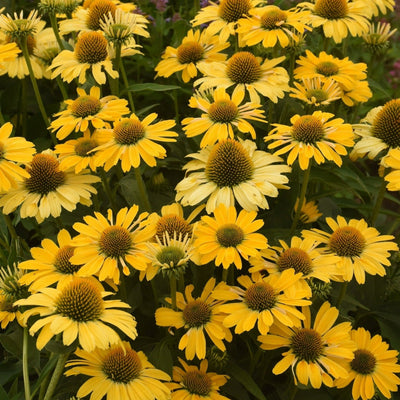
[(153, 87), (161, 357), (245, 379), (48, 368), (3, 394), (8, 370)]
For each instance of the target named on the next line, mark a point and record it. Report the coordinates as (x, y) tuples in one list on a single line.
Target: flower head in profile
[(379, 131), (317, 352), (316, 136), (270, 25), (228, 237), (58, 6), (373, 367), (18, 27), (50, 263), (90, 54), (105, 246), (196, 46), (232, 171), (249, 73), (78, 311), (132, 140), (121, 27), (360, 248), (35, 39), (196, 316), (338, 19), (377, 38), (118, 372), (14, 151), (222, 18), (262, 301), (48, 189), (88, 110), (192, 382), (223, 115), (316, 91)]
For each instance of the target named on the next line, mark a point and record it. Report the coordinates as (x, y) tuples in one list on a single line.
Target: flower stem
[(58, 370), (62, 87), (225, 272), (39, 100), (114, 83), (302, 196), (25, 367), (53, 21), (294, 392), (126, 84), (142, 190), (172, 285), (342, 293), (378, 202), (107, 189)]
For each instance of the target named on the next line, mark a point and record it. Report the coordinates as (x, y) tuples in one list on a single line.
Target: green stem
[(142, 190), (342, 293), (107, 189), (126, 85), (58, 370), (24, 107), (54, 25), (378, 202), (39, 100), (25, 366), (61, 86), (172, 285), (306, 178), (294, 392), (225, 272), (114, 83)]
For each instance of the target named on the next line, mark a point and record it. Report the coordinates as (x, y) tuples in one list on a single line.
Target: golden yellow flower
[(316, 353), (195, 383), (197, 316), (315, 136), (263, 301), (196, 46), (8, 312), (372, 368), (77, 310), (90, 54), (392, 160), (78, 154), (270, 25), (339, 18), (249, 73), (232, 171), (301, 255), (88, 110), (132, 140), (361, 249), (118, 372), (8, 52), (14, 151), (377, 7), (222, 18), (327, 67), (50, 264), (309, 211), (48, 189), (105, 246), (221, 115), (228, 237)]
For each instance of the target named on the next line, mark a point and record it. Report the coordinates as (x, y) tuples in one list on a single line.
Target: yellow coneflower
[(77, 310), (196, 46), (232, 171), (118, 372)]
